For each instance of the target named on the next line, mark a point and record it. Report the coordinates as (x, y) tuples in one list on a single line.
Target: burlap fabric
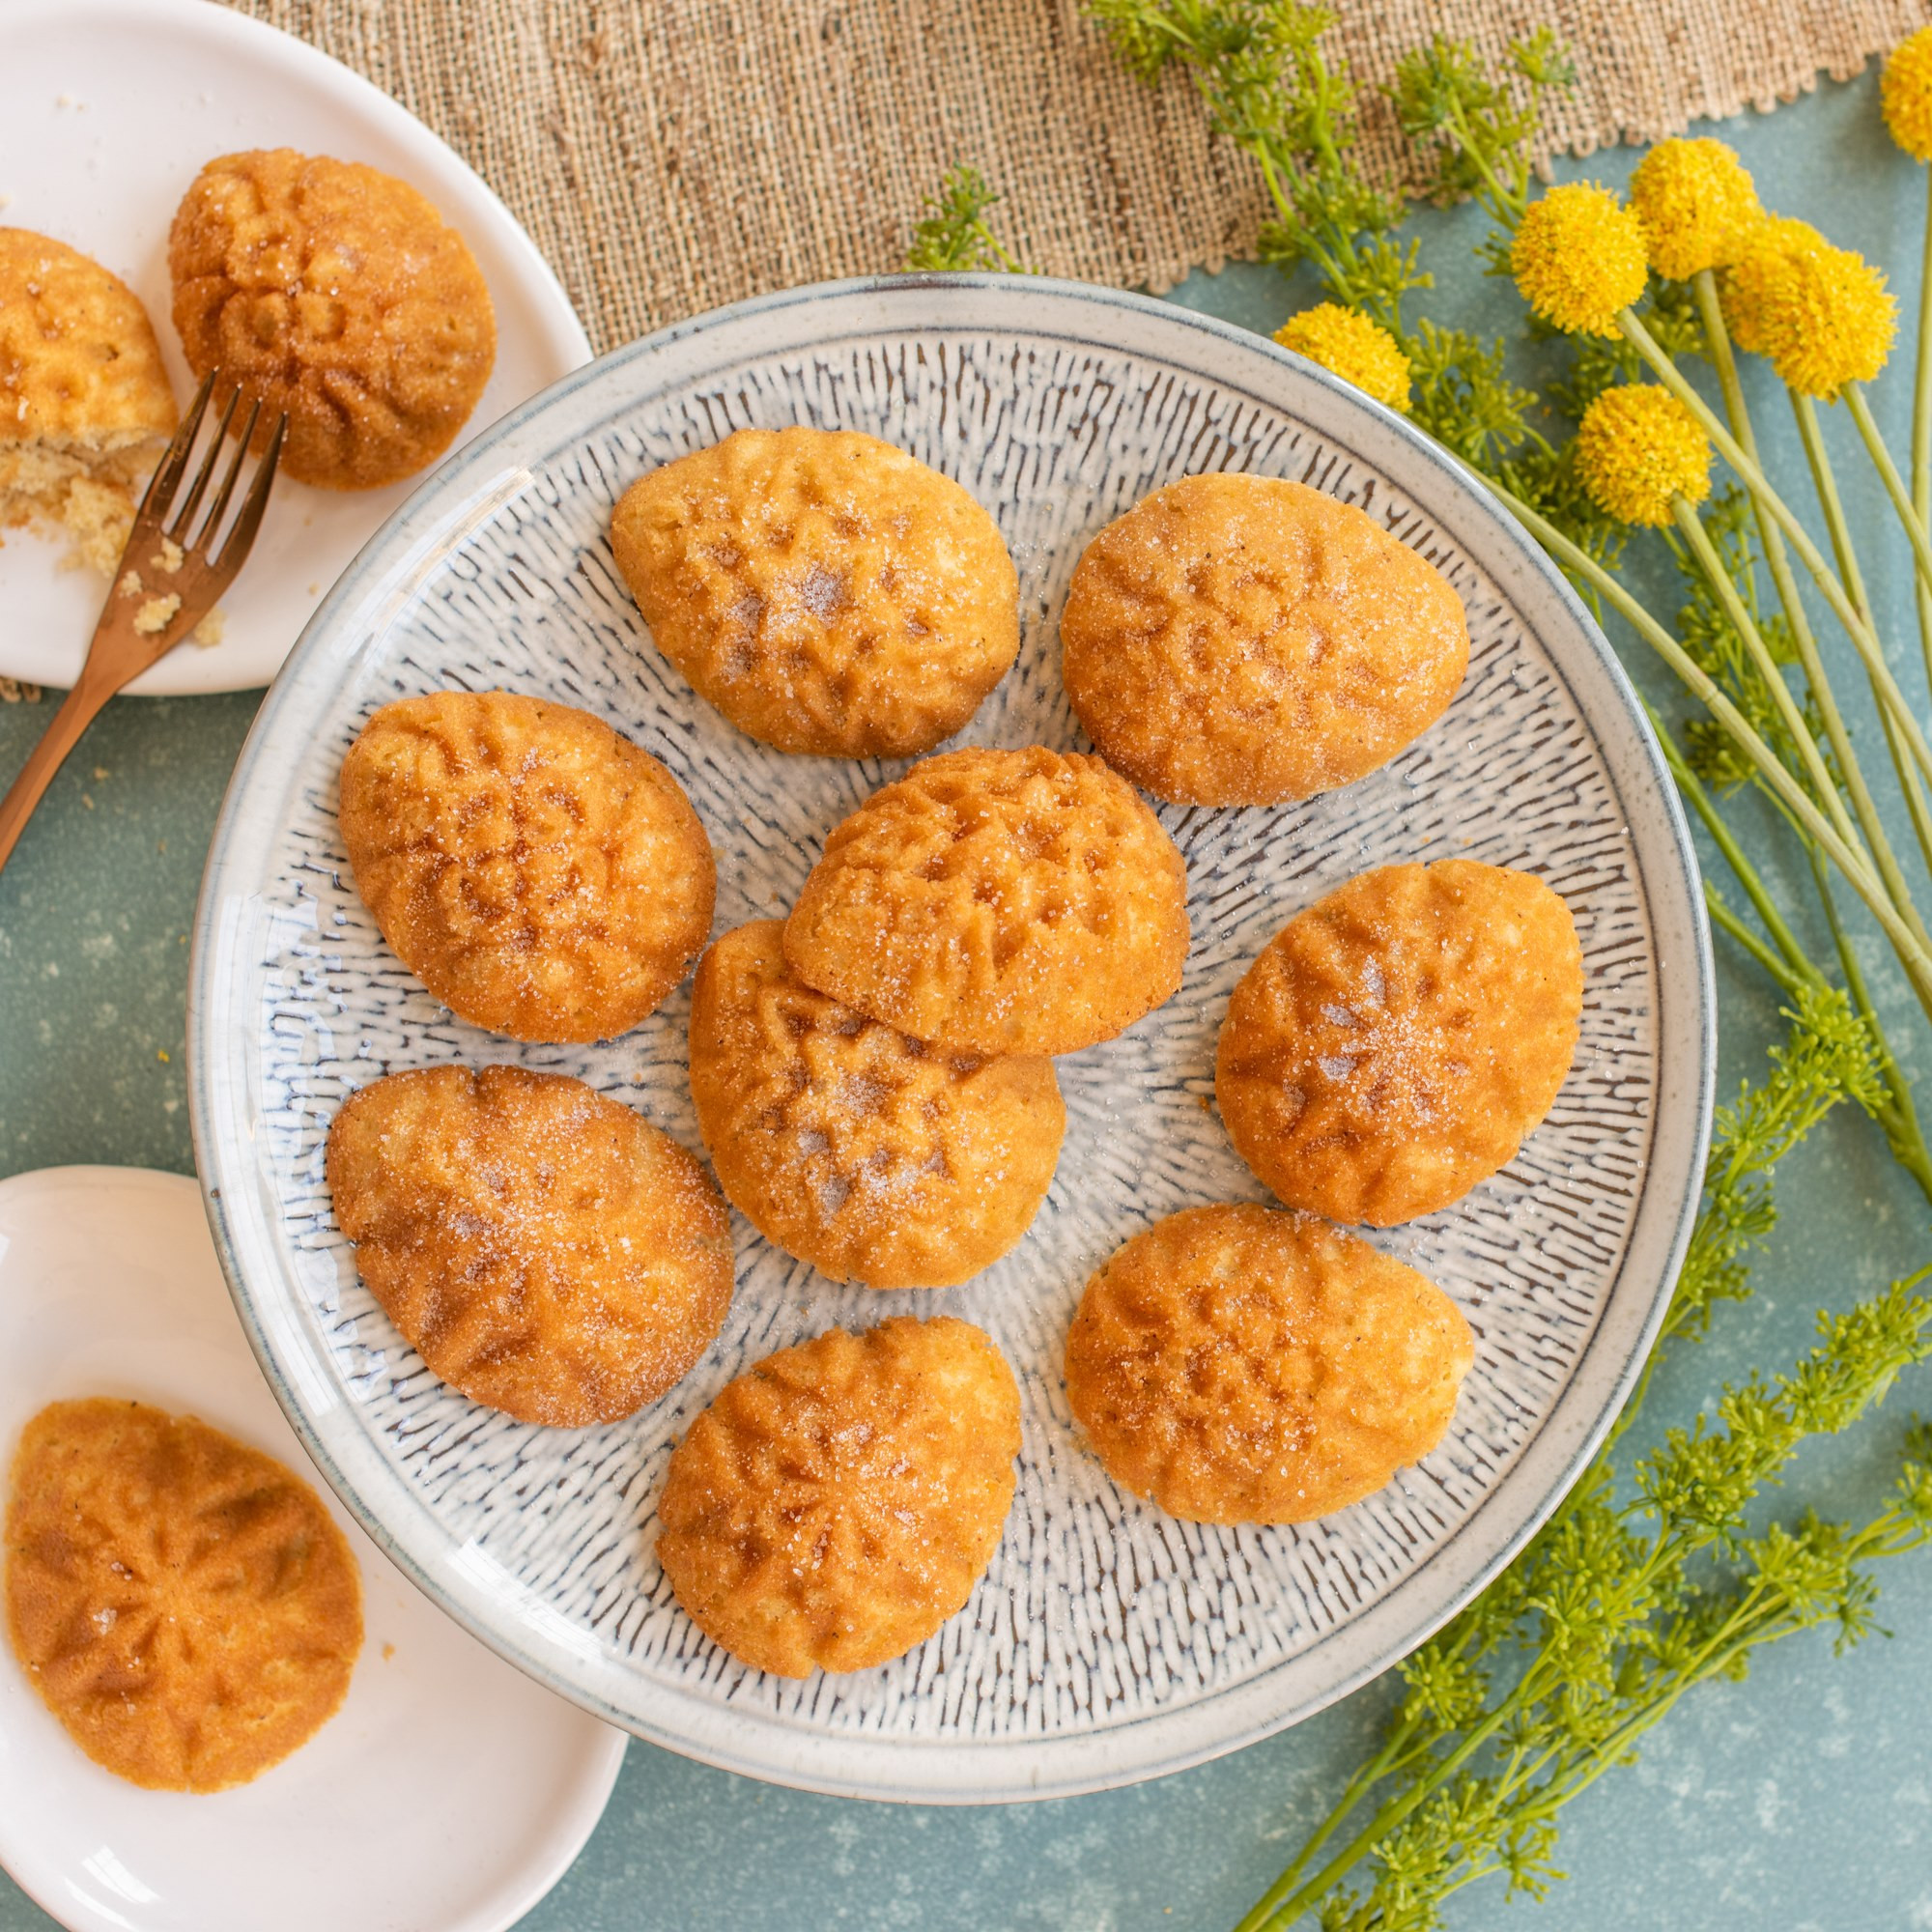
[(672, 154)]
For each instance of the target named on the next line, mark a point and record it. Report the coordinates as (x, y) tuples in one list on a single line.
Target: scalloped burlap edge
[(669, 156)]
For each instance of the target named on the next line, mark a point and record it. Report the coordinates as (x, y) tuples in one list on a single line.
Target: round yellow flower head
[(1351, 347), (1820, 314), (1578, 257), (1638, 449), (1696, 204), (1905, 94)]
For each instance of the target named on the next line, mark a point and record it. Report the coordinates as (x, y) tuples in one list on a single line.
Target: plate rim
[(470, 481), (524, 1889), (562, 329)]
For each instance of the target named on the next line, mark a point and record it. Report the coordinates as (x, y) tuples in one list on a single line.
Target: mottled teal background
[(1802, 1798)]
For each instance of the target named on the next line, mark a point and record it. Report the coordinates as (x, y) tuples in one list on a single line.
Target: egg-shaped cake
[(540, 873), (182, 1603), (855, 1147), (1239, 1364), (997, 901), (337, 293), (836, 1503), (826, 591), (544, 1250), (1393, 1043), (1241, 639)]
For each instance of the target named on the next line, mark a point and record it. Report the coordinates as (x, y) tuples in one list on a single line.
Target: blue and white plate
[(1107, 1642)]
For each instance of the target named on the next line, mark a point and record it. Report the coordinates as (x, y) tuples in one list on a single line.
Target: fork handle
[(77, 711)]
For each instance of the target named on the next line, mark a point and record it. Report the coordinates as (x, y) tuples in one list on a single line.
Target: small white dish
[(108, 109), (447, 1795)]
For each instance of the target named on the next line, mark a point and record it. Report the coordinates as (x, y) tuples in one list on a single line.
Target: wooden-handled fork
[(165, 585)]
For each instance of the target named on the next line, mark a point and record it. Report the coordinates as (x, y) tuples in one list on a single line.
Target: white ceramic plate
[(108, 108), (447, 1795), (1107, 1642)]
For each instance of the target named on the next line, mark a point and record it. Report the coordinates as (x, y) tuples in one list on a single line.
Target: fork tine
[(240, 539), (184, 512), (168, 472), (213, 521)]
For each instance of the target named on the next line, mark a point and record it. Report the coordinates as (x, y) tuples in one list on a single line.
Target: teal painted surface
[(1799, 1802)]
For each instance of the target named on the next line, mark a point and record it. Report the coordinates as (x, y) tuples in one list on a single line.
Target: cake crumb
[(156, 614)]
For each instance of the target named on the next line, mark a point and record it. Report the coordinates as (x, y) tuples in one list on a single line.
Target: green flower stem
[(1367, 1776), (1796, 962), (1741, 622), (1717, 339), (1291, 1895), (1863, 638), (1767, 1607), (1285, 1900), (1764, 1614), (1763, 1611), (1921, 426), (1748, 634), (1913, 957), (1810, 433), (1896, 1115), (1005, 256), (1853, 397), (1916, 807), (1507, 208), (1726, 920)]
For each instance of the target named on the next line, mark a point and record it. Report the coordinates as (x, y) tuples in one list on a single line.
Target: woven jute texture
[(672, 154)]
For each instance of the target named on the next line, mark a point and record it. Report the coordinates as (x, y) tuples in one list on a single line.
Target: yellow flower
[(1637, 450), (1578, 257), (1696, 204), (1351, 347), (1906, 95), (1819, 314)]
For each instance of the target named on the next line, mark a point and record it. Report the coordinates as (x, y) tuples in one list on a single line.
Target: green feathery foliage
[(953, 233), (1651, 1577), (1259, 67), (1659, 1572)]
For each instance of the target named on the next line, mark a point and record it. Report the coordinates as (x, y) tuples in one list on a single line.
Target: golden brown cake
[(827, 592), (855, 1147), (541, 875), (544, 1250), (997, 903), (1393, 1043), (85, 406), (182, 1604), (335, 292), (1238, 1364), (836, 1503), (1248, 640)]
